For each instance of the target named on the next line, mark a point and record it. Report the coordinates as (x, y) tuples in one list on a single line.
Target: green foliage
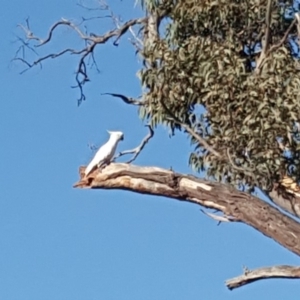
[(199, 71)]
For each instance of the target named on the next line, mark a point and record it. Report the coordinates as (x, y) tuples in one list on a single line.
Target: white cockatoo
[(105, 153)]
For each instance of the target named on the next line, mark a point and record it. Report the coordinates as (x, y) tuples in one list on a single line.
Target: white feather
[(105, 153)]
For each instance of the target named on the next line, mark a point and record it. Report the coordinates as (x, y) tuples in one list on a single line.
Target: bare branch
[(263, 273), (126, 99), (25, 44), (139, 148), (92, 41), (52, 55), (102, 5), (31, 36), (137, 42), (83, 19)]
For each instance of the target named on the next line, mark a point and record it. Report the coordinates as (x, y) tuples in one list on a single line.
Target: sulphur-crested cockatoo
[(105, 153)]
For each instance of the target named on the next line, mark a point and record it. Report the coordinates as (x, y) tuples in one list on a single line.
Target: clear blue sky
[(61, 243)]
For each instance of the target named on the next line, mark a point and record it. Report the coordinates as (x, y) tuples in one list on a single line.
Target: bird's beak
[(122, 138)]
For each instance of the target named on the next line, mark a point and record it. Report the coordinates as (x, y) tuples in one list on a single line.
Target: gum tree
[(227, 74)]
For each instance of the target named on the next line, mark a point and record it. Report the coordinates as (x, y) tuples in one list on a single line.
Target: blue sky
[(62, 243)]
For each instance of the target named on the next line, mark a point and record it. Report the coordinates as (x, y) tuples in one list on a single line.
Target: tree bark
[(237, 205), (250, 276), (287, 198)]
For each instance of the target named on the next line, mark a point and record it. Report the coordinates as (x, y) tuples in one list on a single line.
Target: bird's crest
[(119, 134)]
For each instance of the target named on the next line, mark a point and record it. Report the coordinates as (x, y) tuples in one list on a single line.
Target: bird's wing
[(90, 167), (102, 156)]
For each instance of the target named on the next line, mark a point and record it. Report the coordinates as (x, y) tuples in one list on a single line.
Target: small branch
[(25, 45), (138, 149), (126, 99), (281, 42), (51, 55), (263, 273), (190, 131), (266, 50), (31, 36), (137, 42), (268, 26), (102, 5), (265, 39)]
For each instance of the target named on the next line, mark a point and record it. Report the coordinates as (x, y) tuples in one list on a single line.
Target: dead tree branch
[(139, 148), (263, 273), (91, 42), (127, 100), (238, 205)]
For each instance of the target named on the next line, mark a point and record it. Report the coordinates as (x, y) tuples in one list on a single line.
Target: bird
[(105, 153)]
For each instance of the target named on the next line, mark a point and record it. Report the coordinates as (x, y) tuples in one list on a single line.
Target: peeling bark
[(240, 206)]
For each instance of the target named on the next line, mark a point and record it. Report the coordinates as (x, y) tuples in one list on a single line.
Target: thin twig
[(137, 42), (102, 6), (139, 148), (126, 99), (51, 55)]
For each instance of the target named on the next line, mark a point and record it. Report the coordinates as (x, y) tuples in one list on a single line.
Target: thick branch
[(224, 198), (263, 273)]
